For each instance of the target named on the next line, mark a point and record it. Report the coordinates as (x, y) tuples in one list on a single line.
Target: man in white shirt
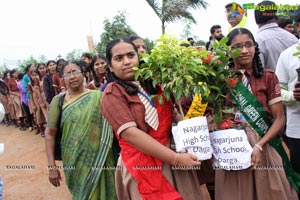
[(290, 91)]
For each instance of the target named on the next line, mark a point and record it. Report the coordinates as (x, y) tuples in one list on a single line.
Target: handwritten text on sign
[(231, 149), (192, 135)]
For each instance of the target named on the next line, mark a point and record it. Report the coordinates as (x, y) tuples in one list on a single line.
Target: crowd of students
[(26, 95)]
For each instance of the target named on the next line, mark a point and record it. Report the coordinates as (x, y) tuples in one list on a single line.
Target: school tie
[(246, 80), (151, 116)]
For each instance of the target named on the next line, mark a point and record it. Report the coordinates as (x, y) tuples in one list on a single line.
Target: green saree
[(86, 149)]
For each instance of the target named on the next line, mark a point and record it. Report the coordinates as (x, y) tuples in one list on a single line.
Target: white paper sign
[(231, 149), (192, 136)]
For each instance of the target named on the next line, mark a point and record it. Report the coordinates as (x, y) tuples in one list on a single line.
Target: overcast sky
[(53, 27)]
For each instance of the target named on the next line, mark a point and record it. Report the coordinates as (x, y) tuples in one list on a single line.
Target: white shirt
[(272, 40), (287, 75)]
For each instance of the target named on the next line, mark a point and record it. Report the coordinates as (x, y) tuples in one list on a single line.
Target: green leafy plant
[(218, 85), (185, 71)]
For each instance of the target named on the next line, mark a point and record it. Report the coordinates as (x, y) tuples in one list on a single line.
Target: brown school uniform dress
[(40, 104), (252, 184), (15, 99), (121, 110)]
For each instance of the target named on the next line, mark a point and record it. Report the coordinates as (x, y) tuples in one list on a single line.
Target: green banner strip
[(257, 117)]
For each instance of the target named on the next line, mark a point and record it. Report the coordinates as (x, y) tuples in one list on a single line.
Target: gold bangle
[(259, 147)]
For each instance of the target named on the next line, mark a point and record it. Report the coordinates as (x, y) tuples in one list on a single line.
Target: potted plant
[(184, 71)]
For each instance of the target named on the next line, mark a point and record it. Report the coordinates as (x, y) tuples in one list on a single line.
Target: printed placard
[(231, 149), (192, 136)]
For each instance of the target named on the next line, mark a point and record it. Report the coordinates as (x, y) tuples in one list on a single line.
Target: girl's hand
[(187, 160), (255, 156)]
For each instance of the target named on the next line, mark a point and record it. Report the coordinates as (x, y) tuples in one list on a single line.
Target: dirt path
[(24, 148)]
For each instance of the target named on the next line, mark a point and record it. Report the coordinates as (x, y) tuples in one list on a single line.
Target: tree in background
[(74, 55), (3, 68), (31, 60), (187, 30), (117, 28), (187, 33), (149, 44), (201, 43), (172, 10), (42, 59)]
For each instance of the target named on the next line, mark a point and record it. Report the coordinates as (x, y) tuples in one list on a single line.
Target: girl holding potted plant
[(142, 127), (266, 179)]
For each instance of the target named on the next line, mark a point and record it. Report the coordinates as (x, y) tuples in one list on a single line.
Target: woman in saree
[(86, 140), (268, 177), (143, 127)]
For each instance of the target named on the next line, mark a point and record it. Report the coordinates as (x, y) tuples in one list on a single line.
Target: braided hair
[(257, 66), (130, 88), (258, 69)]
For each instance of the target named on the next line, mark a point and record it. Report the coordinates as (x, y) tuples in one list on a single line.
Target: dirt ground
[(27, 150)]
